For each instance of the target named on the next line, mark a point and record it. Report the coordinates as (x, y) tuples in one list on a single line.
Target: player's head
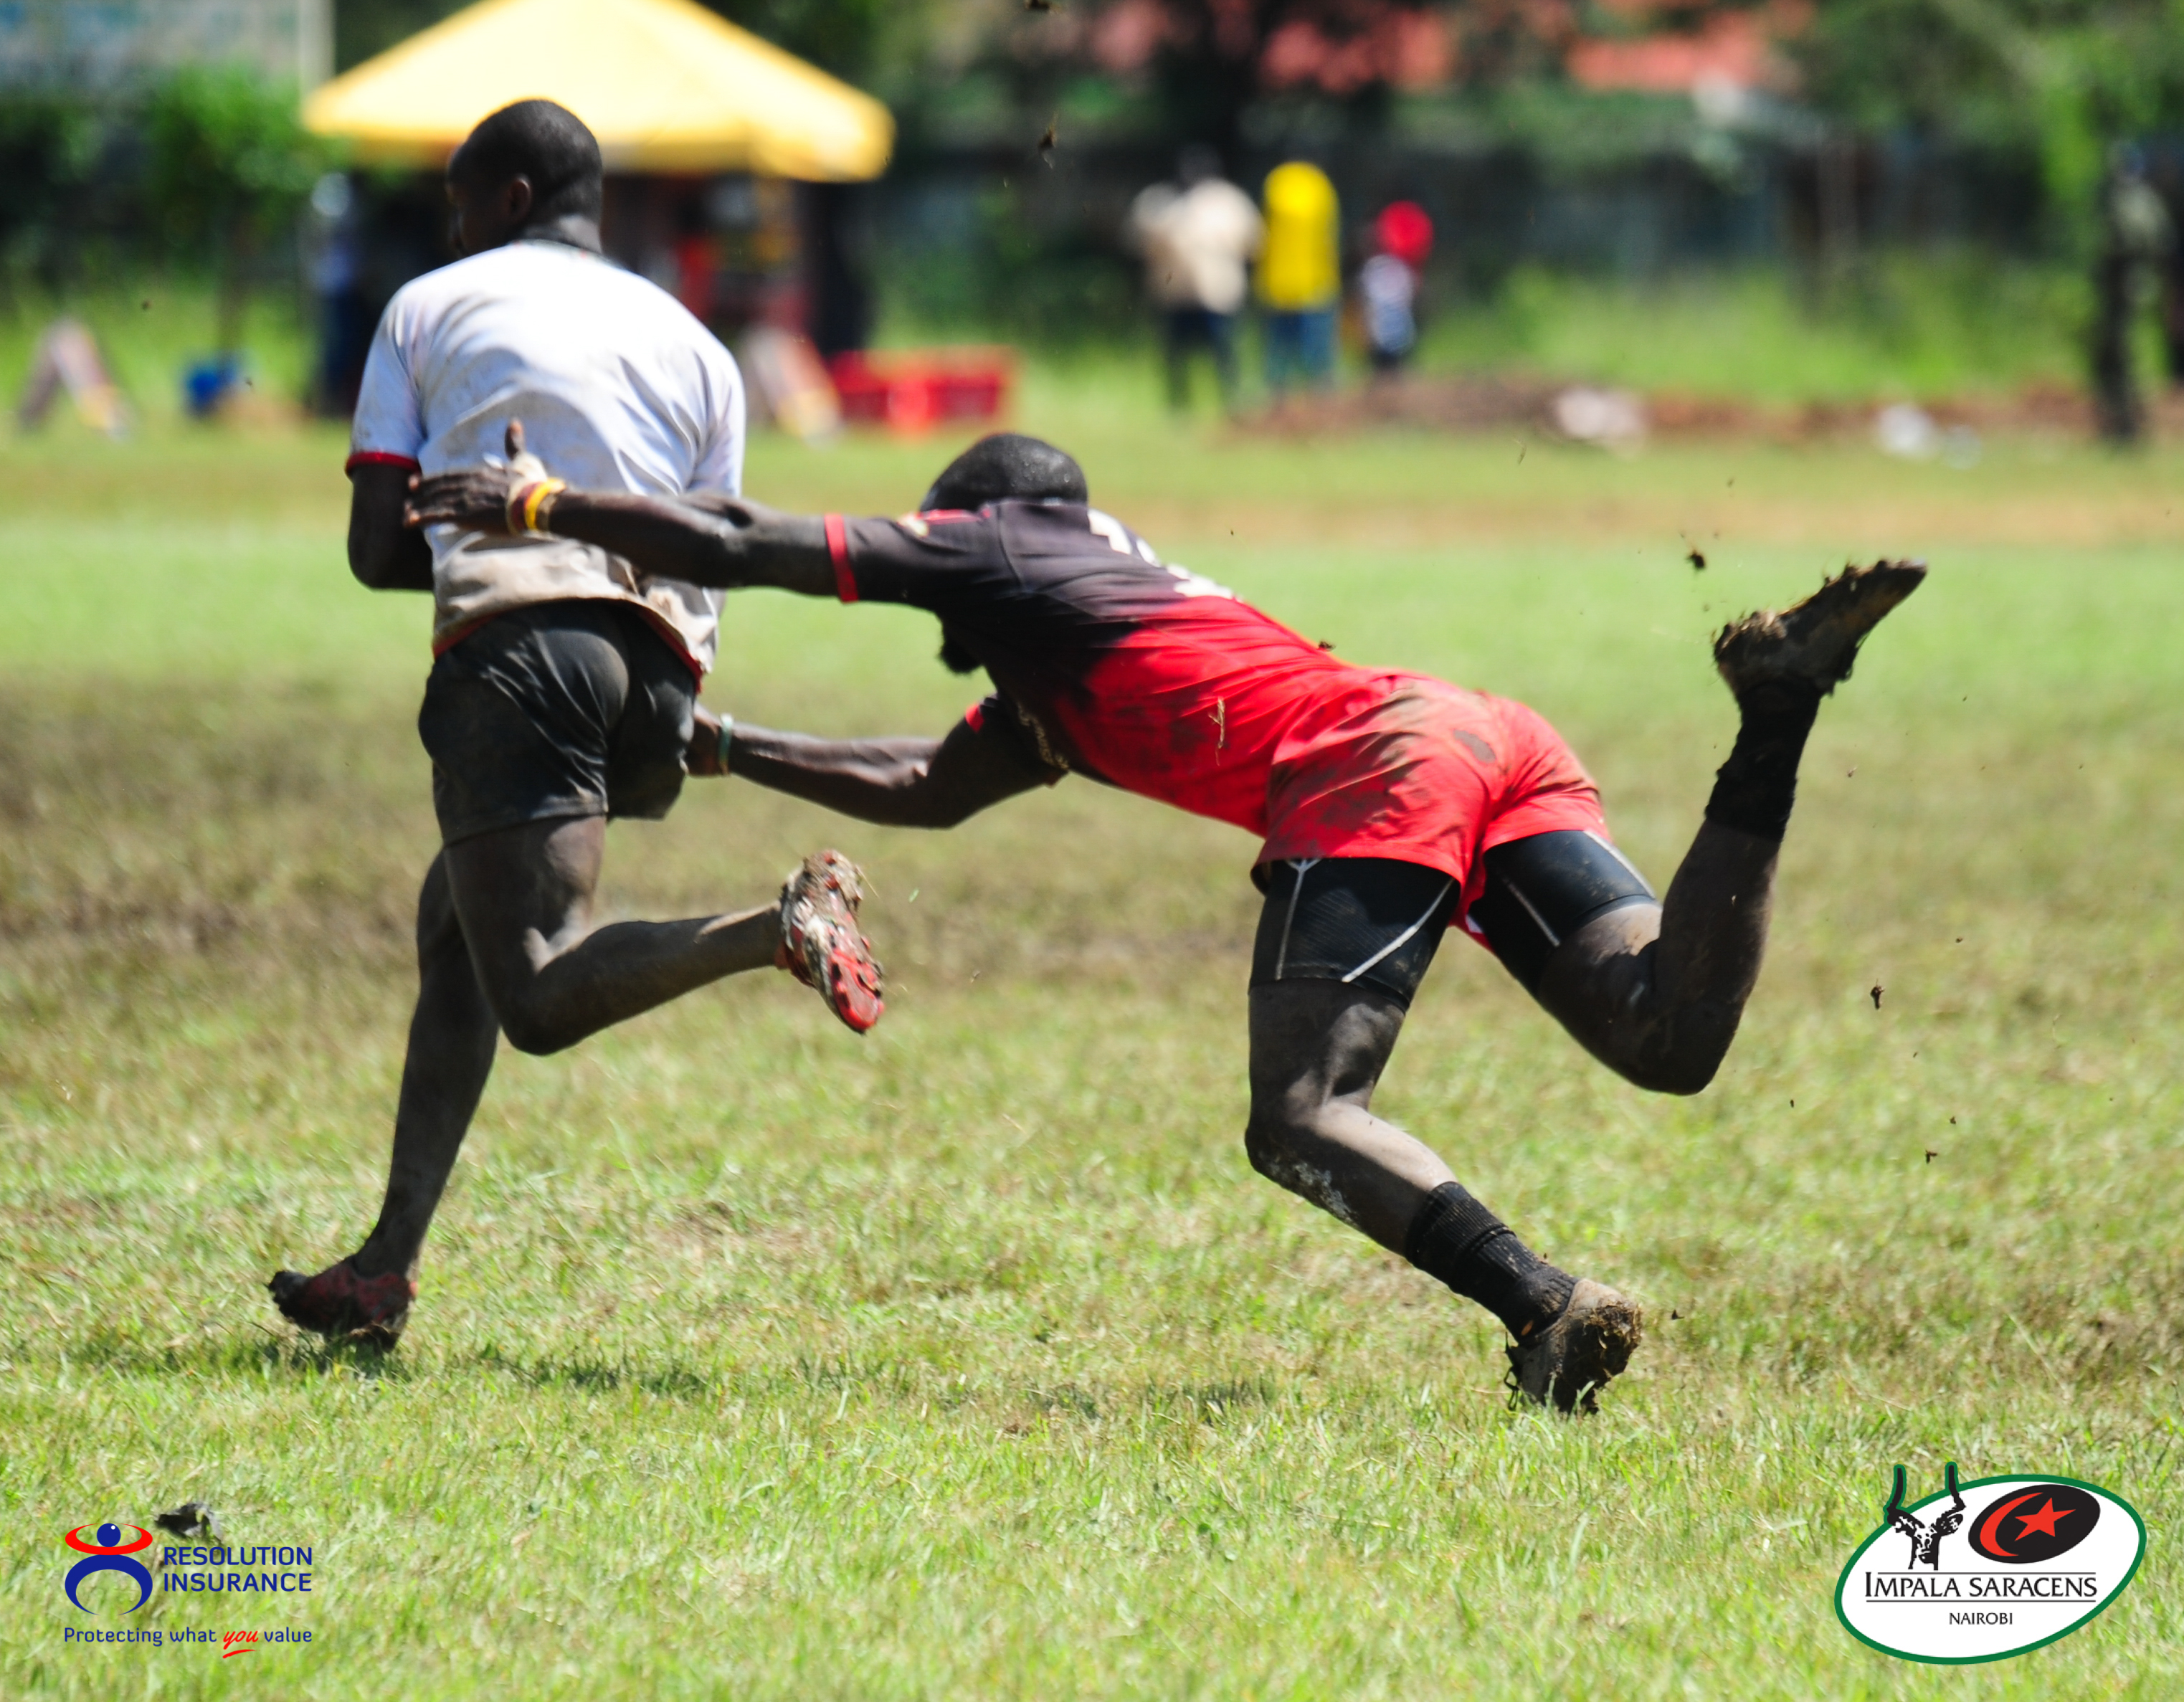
[(1007, 466), (527, 165), (1197, 164)]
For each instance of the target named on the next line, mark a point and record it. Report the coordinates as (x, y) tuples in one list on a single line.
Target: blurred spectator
[(346, 318), (67, 358), (1300, 277), (697, 262), (1388, 285), (1197, 235), (1404, 230), (2137, 238)]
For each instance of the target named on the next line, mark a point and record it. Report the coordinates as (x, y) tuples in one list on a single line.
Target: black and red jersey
[(1117, 665)]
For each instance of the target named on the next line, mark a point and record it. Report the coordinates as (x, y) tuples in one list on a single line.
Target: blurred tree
[(2062, 78), (50, 144), (843, 36), (228, 166), (1211, 59), (364, 28)]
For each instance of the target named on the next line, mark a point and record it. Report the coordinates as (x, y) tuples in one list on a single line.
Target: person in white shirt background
[(1197, 240), (563, 684)]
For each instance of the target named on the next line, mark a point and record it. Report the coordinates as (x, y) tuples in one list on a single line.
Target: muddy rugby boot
[(1568, 1362), (1814, 641), (343, 1306), (820, 944)]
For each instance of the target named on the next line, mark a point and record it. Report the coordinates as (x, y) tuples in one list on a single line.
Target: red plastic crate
[(913, 389)]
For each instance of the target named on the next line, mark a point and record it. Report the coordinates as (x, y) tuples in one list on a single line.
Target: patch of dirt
[(1503, 402)]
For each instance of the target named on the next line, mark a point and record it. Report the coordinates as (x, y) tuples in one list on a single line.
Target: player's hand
[(475, 500), (702, 758), (521, 463), (481, 499)]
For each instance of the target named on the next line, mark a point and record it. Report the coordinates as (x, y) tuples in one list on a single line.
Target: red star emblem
[(2043, 1520)]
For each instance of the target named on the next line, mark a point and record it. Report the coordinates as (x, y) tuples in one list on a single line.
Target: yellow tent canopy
[(665, 85)]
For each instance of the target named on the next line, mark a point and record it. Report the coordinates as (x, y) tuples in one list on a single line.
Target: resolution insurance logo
[(110, 1554), (1988, 1569)]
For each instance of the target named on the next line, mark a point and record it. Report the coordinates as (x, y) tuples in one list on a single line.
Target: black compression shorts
[(1373, 922), (1366, 922), (569, 708)]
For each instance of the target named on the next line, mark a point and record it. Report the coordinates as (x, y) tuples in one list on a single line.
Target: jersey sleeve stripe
[(378, 457), (838, 547)]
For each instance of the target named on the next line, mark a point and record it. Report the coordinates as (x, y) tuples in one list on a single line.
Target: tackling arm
[(900, 782), (726, 547), (705, 538)]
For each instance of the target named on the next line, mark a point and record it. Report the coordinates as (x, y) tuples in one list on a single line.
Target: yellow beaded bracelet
[(538, 503)]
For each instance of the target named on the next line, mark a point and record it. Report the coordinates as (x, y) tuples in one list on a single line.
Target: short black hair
[(1197, 164), (545, 142), (1007, 464)]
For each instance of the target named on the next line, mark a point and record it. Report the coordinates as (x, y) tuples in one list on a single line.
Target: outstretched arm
[(901, 782), (706, 538)]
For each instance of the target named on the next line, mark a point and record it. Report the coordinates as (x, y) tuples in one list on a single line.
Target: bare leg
[(1655, 992), (1317, 1049), (504, 945), (452, 1040), (524, 897), (522, 935)]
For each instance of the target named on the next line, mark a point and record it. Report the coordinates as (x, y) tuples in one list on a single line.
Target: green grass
[(1935, 325), (972, 1359)]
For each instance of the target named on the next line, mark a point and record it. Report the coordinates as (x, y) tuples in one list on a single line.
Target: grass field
[(972, 1359)]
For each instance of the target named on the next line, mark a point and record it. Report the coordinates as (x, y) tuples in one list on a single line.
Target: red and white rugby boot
[(820, 944), (343, 1306)]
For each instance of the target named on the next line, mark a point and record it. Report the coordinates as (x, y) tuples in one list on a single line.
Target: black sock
[(1754, 789), (1458, 1240)]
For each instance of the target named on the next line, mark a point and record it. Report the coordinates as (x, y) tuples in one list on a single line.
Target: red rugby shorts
[(1416, 770)]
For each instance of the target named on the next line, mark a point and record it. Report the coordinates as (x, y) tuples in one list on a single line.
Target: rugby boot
[(1565, 1364), (1814, 641), (820, 944), (343, 1306)]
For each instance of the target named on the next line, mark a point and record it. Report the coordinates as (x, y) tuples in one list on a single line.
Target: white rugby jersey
[(618, 387)]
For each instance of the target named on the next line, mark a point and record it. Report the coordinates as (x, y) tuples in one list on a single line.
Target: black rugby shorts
[(571, 708)]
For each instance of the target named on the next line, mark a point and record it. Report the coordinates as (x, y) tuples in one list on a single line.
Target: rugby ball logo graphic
[(1988, 1569)]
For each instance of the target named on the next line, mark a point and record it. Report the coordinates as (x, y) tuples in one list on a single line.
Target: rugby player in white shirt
[(564, 681)]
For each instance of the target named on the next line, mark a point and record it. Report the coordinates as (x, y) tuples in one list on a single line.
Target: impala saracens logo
[(110, 1554), (1988, 1569), (2064, 1517)]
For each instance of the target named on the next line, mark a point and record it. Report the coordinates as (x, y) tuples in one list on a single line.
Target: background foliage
[(2063, 78), (227, 166), (2012, 103)]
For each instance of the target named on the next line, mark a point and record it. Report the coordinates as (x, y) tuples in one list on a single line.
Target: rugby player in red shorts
[(1392, 805)]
